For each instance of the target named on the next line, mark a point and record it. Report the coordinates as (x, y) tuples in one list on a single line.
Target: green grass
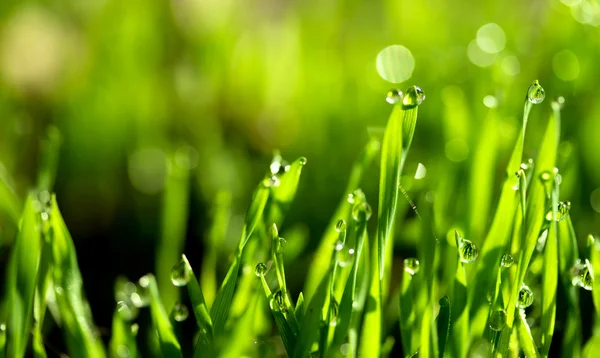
[(458, 297)]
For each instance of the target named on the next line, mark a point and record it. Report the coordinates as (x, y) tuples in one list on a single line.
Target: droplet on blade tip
[(536, 93)]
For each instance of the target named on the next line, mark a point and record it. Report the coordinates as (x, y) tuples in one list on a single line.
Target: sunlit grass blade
[(22, 280), (323, 253), (174, 215), (400, 129), (460, 307), (284, 193), (123, 340), (550, 278), (371, 330), (444, 325), (592, 347), (81, 337), (50, 151), (169, 346), (526, 341), (220, 308), (409, 311), (44, 279), (221, 213), (199, 307), (595, 260), (568, 253)]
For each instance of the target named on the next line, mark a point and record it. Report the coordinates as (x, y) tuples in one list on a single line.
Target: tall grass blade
[(444, 325), (200, 309), (169, 346)]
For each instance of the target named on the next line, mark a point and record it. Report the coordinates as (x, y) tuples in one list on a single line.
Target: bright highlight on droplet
[(421, 171), (395, 63), (479, 57), (490, 101), (491, 38), (566, 65)]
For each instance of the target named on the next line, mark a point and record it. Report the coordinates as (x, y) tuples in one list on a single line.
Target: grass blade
[(311, 321), (169, 346), (81, 337), (50, 151), (22, 280), (123, 338), (444, 324), (10, 204), (525, 338), (284, 193), (199, 307), (220, 308)]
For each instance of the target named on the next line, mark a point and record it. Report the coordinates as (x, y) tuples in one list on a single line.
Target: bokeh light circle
[(395, 63), (565, 65), (491, 38)]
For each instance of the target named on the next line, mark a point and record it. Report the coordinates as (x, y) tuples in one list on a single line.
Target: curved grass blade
[(322, 255), (82, 340), (220, 308), (200, 309), (169, 346), (22, 280), (444, 324)]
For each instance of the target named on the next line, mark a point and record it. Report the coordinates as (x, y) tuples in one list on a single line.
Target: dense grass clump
[(457, 297)]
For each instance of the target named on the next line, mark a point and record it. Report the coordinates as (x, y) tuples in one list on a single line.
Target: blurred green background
[(201, 92)]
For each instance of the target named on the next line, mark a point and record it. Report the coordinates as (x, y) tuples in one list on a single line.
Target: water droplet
[(497, 320), (361, 211), (343, 255), (394, 96), (468, 251), (45, 216), (414, 96), (302, 160), (278, 166), (546, 176), (271, 181), (180, 274), (340, 226), (180, 312), (411, 265), (421, 171), (582, 274), (278, 302), (489, 297), (260, 269), (562, 211), (536, 93), (525, 297), (507, 260), (2, 327), (127, 311), (558, 103)]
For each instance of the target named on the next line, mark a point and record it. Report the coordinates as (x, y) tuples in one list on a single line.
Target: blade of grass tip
[(174, 216), (568, 255), (199, 306), (284, 193), (595, 259), (311, 322), (123, 340), (525, 338), (535, 211), (220, 308), (81, 337), (460, 312), (50, 152), (322, 255), (500, 229), (169, 346), (216, 235), (444, 325), (22, 279), (10, 204), (396, 142), (299, 309), (550, 278)]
